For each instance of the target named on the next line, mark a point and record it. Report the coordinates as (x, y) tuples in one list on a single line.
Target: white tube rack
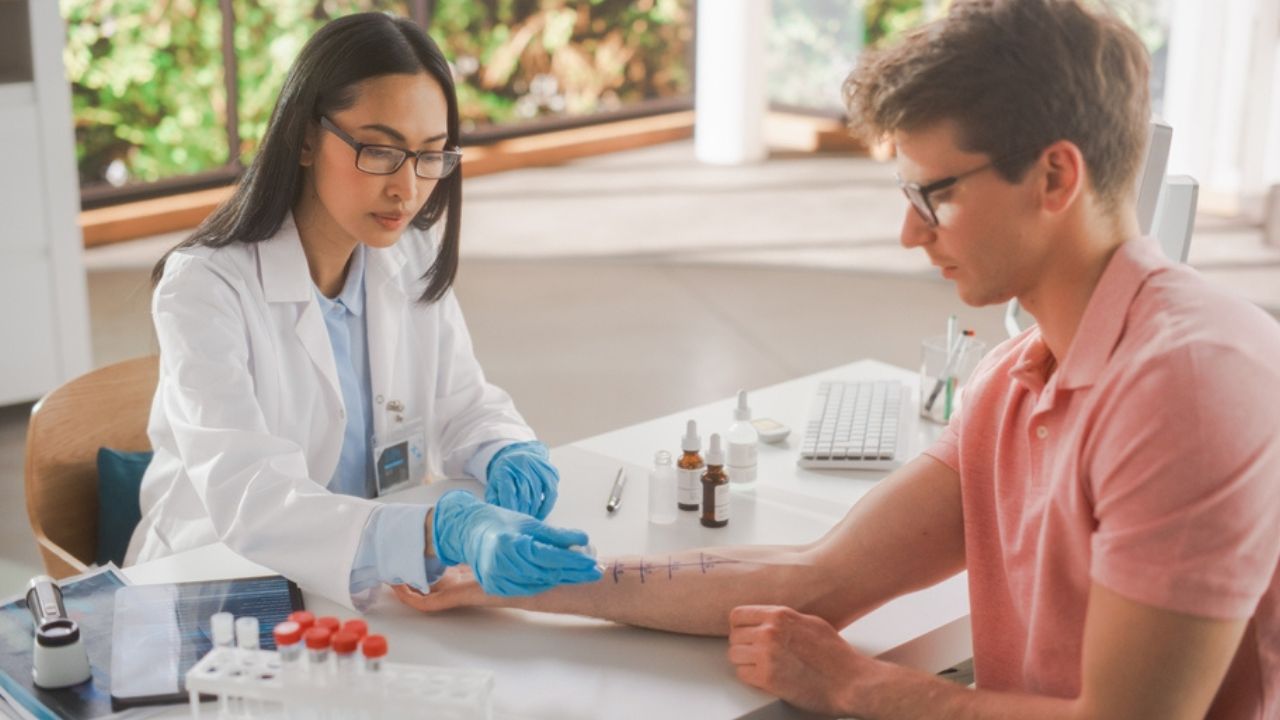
[(252, 683)]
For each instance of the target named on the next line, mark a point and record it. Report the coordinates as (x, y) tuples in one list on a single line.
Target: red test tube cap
[(345, 642), (359, 627), (374, 646), (304, 619), (329, 622), (317, 638), (287, 633)]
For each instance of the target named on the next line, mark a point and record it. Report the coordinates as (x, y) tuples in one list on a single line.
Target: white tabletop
[(550, 666)]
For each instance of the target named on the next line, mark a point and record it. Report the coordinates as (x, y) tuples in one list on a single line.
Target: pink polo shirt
[(1148, 462)]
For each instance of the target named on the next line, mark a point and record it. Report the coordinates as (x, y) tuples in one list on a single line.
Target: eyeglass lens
[(385, 160)]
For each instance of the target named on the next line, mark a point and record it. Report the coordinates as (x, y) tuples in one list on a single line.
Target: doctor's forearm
[(690, 592)]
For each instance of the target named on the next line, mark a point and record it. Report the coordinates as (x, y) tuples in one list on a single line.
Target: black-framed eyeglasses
[(387, 159), (919, 195)]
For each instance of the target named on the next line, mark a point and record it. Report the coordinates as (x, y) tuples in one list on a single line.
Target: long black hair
[(322, 81)]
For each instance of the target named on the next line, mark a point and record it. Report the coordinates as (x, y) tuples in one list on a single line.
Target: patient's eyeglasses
[(919, 195), (387, 159)]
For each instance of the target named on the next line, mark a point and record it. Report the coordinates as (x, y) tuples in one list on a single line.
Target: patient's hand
[(458, 587)]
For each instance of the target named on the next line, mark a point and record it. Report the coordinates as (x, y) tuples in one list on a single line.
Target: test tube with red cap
[(357, 626), (317, 640), (304, 619), (345, 645), (288, 635), (374, 648), (330, 623)]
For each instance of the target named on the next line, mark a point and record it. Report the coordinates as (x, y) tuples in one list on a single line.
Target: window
[(175, 96)]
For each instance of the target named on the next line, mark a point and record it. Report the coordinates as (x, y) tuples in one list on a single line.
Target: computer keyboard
[(856, 426)]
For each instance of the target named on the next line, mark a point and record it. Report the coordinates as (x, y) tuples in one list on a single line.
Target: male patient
[(1112, 484)]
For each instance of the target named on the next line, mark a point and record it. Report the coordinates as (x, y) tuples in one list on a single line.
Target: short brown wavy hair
[(1016, 76)]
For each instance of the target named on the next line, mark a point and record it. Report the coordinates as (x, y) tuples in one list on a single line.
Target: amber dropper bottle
[(715, 487), (689, 469)]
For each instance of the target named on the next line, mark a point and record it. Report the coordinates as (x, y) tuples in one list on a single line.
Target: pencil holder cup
[(943, 372)]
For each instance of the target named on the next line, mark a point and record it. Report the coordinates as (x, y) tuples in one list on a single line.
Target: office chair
[(1166, 209), (107, 407)]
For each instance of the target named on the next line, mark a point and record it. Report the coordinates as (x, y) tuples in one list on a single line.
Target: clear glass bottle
[(689, 469), (715, 488), (662, 490), (743, 440)]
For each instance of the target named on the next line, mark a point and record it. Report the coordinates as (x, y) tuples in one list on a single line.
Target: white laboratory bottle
[(662, 490), (743, 440), (689, 469), (222, 628)]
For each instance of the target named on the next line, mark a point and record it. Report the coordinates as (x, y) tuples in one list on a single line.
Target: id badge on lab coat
[(399, 458)]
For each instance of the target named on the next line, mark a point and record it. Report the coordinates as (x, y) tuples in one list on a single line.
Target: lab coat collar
[(286, 278)]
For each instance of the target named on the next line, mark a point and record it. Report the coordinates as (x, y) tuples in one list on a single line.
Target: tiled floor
[(624, 287)]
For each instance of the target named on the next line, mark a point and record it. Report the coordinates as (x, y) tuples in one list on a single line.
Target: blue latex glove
[(510, 553), (521, 478)]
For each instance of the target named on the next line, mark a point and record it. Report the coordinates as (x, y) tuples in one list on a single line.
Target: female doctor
[(313, 356)]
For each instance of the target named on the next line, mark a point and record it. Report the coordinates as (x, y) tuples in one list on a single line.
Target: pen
[(953, 356), (615, 495)]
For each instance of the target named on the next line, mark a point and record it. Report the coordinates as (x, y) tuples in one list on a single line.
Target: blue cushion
[(119, 478)]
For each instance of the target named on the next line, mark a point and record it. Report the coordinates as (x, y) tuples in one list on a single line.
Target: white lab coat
[(248, 417)]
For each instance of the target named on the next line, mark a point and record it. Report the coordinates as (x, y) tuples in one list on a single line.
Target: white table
[(550, 666)]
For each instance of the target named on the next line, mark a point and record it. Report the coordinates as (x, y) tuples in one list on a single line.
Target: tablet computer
[(161, 631)]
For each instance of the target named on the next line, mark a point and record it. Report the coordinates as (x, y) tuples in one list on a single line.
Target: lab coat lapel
[(286, 279), (386, 303)]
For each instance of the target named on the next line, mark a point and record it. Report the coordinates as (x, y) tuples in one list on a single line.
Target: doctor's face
[(402, 111), (986, 238)]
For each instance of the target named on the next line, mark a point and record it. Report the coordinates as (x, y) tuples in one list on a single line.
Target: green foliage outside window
[(148, 85)]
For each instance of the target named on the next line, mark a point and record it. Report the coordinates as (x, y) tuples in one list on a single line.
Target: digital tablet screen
[(161, 631)]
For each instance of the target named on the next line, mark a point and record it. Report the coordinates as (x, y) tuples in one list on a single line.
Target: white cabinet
[(45, 326)]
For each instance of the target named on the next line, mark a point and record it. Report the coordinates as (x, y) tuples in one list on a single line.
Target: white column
[(730, 99), (1220, 98)]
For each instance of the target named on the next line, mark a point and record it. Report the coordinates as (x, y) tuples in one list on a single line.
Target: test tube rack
[(252, 683)]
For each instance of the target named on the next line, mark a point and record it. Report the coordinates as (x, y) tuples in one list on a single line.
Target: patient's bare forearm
[(689, 592)]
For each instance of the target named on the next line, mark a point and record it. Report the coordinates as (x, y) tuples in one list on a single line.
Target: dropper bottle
[(743, 441), (689, 469), (715, 488)]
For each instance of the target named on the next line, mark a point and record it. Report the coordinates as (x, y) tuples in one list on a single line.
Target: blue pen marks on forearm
[(644, 568)]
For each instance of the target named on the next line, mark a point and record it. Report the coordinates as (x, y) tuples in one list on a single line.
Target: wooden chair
[(107, 407)]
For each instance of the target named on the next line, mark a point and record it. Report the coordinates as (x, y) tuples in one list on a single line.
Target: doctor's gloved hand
[(509, 553), (521, 478)]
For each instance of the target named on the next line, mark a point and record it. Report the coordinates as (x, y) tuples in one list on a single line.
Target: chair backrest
[(108, 407)]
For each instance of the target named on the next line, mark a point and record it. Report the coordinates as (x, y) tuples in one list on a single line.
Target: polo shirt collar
[(1104, 318)]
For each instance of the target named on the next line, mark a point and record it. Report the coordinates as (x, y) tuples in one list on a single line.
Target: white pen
[(615, 495)]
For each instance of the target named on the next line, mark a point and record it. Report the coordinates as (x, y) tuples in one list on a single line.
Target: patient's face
[(986, 239)]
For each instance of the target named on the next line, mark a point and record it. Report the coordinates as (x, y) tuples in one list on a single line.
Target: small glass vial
[(317, 639), (374, 648), (662, 490), (689, 469), (345, 645), (715, 488), (744, 441)]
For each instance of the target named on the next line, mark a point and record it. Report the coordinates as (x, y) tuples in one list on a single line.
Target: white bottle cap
[(715, 455), (223, 628), (743, 411), (247, 633), (691, 442)]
